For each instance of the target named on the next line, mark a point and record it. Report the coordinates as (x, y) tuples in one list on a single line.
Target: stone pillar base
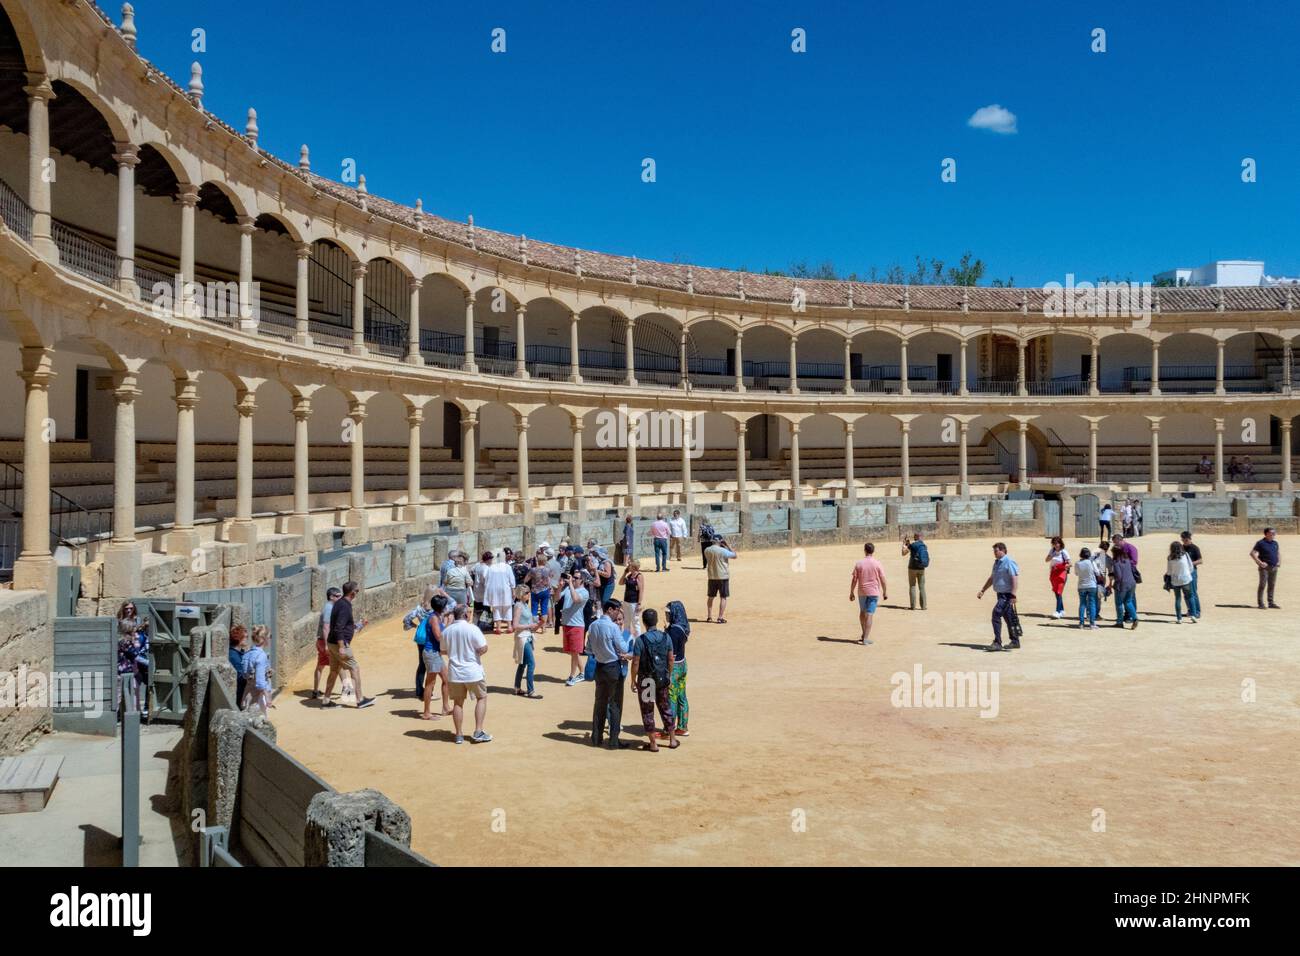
[(304, 339), (123, 569), (1155, 487), (414, 358), (963, 490), (413, 514), (358, 349), (305, 527), (468, 511), (181, 541), (357, 518), (46, 249), (243, 532), (1220, 488), (36, 573), (248, 325), (632, 501)]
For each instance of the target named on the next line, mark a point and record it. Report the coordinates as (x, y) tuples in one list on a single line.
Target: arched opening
[(820, 361), (602, 352), (329, 294), (546, 339), (495, 330), (767, 358), (1058, 363), (1189, 364), (934, 363), (711, 354), (1124, 361), (874, 358), (387, 307), (442, 322), (1254, 362), (657, 340)]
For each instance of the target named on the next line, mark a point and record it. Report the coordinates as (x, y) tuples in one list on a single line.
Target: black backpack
[(655, 648)]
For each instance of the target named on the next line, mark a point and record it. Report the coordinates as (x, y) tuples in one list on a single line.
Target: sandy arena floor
[(1109, 747)]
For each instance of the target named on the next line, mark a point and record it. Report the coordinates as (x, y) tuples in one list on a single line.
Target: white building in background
[(1225, 272)]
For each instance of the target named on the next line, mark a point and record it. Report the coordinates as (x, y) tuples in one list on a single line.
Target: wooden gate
[(1086, 509), (170, 623), (258, 604), (84, 684)]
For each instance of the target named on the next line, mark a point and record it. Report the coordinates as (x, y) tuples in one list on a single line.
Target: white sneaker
[(1058, 614)]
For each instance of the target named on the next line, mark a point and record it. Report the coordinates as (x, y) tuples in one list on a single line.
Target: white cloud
[(997, 119)]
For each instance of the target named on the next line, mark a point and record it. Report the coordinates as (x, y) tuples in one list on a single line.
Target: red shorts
[(574, 639), (322, 653)]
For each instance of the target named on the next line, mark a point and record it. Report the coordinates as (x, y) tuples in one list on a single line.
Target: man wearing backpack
[(652, 666), (918, 559)]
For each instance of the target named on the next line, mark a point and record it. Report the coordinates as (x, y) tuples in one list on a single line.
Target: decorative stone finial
[(1288, 298), (1156, 299), (740, 287), (965, 300), (128, 24), (196, 84), (577, 262), (523, 249), (850, 295), (419, 215), (907, 299), (362, 192), (250, 128), (690, 281), (469, 228), (634, 275), (1218, 299), (304, 159)]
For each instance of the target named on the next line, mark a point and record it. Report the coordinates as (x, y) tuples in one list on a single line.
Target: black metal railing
[(70, 523), (84, 254), (15, 212)]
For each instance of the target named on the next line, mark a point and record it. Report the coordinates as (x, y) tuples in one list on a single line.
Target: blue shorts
[(868, 604), (541, 603)]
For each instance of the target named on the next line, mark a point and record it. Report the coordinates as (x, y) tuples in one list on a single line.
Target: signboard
[(1161, 514), (968, 511), (769, 521), (917, 512), (1017, 510), (818, 519), (868, 514), (379, 567)]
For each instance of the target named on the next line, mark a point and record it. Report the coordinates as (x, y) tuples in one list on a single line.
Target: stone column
[(1155, 367), (468, 421), (187, 195), (414, 419), (40, 167), (413, 356), (794, 365), (1094, 378), (359, 346), (850, 483), (1220, 486), (963, 476), (243, 530), (1219, 388), (357, 516), (740, 361), (521, 346), (1022, 386), (1155, 454), (1286, 367), (633, 488), (575, 363), (796, 485), (630, 352), (742, 486), (689, 422), (34, 568), (1284, 429), (1093, 427), (579, 501), (470, 365), (183, 539), (301, 522), (301, 302), (1022, 453), (127, 157), (905, 451), (848, 367), (525, 489), (962, 388), (903, 388), (123, 557), (246, 319)]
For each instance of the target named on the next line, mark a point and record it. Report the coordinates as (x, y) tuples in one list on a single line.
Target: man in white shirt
[(465, 645), (677, 531)]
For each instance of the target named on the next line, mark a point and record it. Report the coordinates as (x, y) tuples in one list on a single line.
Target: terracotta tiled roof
[(753, 286)]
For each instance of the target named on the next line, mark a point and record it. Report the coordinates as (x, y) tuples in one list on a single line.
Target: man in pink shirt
[(868, 585), (661, 532)]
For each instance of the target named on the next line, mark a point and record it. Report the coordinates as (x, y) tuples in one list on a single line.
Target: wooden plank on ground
[(26, 783)]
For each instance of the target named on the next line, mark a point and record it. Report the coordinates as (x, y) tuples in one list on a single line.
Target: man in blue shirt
[(610, 648), (1004, 579), (1266, 557)]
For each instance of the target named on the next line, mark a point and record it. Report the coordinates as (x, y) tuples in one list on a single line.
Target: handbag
[(1168, 583), (1137, 575)]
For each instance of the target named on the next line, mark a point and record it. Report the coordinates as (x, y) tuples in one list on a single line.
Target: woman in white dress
[(498, 591)]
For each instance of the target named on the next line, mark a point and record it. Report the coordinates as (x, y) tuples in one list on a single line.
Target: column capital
[(357, 410), (415, 285), (415, 416), (848, 428), (38, 366), (126, 154), (1094, 425), (358, 270), (39, 87), (187, 194), (303, 250), (741, 427), (1155, 421), (245, 403), (186, 392), (794, 428), (963, 426), (906, 426), (469, 418), (301, 409), (521, 424), (1220, 424), (245, 224), (125, 388)]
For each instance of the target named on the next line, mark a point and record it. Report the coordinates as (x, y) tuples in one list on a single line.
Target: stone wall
[(26, 648)]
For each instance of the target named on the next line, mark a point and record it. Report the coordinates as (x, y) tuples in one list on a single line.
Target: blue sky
[(1125, 163)]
